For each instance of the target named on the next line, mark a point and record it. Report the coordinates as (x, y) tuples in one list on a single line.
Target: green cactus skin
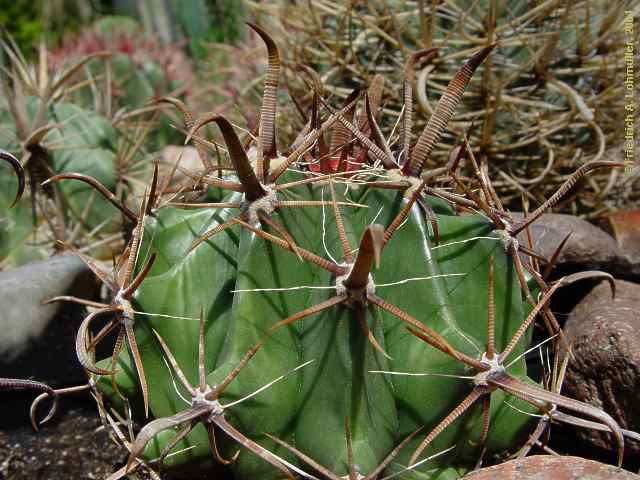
[(270, 325)]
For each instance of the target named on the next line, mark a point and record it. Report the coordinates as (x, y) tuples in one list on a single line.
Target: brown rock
[(548, 467), (605, 372), (625, 228), (589, 247)]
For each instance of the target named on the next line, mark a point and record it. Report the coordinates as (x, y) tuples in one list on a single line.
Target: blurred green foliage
[(29, 20), (211, 21), (227, 20), (21, 18), (197, 21)]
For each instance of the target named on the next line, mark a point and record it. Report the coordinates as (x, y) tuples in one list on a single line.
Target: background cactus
[(287, 303), (80, 110), (88, 146), (141, 68), (546, 101)]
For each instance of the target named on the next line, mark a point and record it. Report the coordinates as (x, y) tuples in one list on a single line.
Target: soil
[(72, 446)]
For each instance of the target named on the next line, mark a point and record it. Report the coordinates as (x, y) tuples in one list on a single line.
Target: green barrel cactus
[(340, 321), (88, 147), (56, 118), (50, 134)]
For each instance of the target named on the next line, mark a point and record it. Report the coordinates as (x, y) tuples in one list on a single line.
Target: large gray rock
[(605, 372), (36, 340), (548, 467)]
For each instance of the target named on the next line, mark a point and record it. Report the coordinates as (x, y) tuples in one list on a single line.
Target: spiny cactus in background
[(140, 68), (47, 124), (20, 175), (301, 347), (547, 100), (32, 114), (233, 69)]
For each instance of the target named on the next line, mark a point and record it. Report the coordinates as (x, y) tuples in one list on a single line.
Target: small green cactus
[(49, 126), (86, 146), (285, 315)]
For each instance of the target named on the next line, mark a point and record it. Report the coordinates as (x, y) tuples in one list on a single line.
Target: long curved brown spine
[(443, 113), (267, 131)]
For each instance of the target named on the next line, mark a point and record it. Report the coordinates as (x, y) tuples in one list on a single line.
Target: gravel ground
[(72, 447)]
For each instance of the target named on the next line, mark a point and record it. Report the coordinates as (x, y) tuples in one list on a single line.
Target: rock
[(185, 176), (189, 160), (37, 341), (606, 368), (548, 467), (624, 226), (589, 247)]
